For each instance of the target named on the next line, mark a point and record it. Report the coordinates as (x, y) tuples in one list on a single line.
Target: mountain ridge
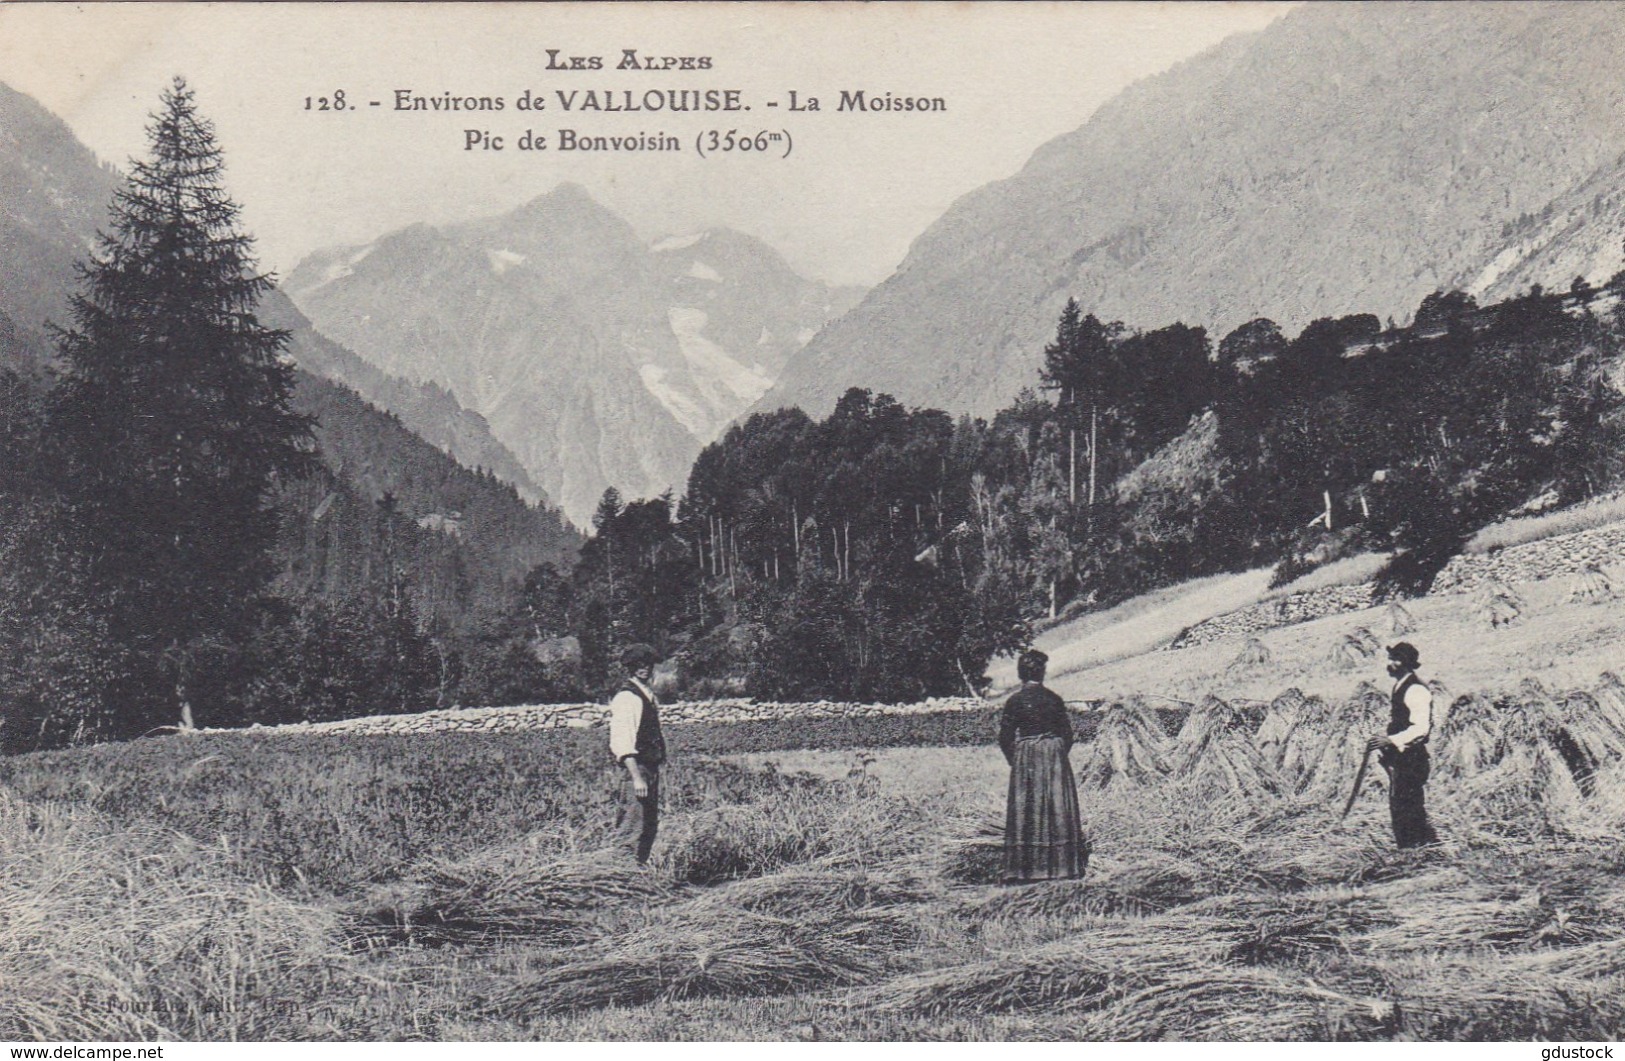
[(1348, 158), (600, 359)]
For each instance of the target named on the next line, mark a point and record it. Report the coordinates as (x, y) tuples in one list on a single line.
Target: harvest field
[(450, 886)]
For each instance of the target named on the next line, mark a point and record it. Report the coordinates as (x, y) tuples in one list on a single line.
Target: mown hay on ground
[(139, 933), (733, 954), (1227, 1003), (511, 891)]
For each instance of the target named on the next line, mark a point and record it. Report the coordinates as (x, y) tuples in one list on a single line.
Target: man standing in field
[(637, 744), (1403, 750)]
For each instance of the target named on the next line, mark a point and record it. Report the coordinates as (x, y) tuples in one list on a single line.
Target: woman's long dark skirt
[(1042, 837)]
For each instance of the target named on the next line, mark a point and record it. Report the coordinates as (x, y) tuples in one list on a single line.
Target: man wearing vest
[(636, 743), (1403, 750)]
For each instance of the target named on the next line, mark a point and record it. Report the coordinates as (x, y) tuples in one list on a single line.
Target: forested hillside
[(301, 554), (887, 553)]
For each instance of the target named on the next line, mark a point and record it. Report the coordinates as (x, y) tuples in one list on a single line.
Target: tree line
[(191, 532)]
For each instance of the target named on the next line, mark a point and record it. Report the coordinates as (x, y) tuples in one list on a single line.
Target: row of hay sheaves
[(1560, 755)]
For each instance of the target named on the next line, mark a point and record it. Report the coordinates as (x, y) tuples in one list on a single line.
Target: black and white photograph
[(781, 522)]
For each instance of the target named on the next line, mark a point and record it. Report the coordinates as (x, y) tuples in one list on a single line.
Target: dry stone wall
[(550, 716), (1557, 557)]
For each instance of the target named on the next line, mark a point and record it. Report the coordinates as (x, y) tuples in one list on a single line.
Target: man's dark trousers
[(640, 818), (1408, 772)]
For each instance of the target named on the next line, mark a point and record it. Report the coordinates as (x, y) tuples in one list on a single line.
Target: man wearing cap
[(636, 742), (1403, 750)]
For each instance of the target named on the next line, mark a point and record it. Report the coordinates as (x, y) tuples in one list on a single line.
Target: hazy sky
[(856, 189)]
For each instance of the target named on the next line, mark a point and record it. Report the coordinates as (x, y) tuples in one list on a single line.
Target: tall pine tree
[(172, 419)]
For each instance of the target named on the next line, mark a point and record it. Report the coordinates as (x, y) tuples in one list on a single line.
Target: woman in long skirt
[(1043, 839)]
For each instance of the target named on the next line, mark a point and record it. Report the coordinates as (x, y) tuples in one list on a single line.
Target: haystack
[(1369, 641), (1591, 586), (1609, 696), (1231, 764), (1253, 655), (1303, 745), (1498, 604), (1351, 651), (1351, 725), (1467, 741), (1129, 748), (1215, 751), (1284, 716), (1206, 721), (1608, 795), (1399, 621), (1534, 784)]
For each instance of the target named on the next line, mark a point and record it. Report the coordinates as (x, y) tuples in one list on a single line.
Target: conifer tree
[(172, 421)]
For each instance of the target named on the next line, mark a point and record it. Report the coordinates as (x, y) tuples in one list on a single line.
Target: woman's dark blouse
[(1033, 711)]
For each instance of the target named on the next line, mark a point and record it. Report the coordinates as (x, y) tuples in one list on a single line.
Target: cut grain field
[(455, 887), (835, 879)]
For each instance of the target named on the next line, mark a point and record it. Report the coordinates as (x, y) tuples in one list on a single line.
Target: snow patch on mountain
[(503, 260), (676, 243), (683, 408), (342, 265), (711, 363)]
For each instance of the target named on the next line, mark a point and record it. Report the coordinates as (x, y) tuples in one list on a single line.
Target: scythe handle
[(1359, 779)]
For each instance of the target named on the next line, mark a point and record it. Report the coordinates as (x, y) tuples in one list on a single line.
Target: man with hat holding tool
[(636, 742), (1403, 750)]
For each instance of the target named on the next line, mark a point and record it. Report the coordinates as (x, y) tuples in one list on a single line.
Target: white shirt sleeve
[(625, 712), (1419, 701)]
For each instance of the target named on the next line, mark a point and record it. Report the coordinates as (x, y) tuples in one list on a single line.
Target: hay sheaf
[(1209, 721), (1218, 1002), (1082, 971), (1351, 725), (509, 892), (742, 954), (1065, 900), (1129, 748), (1465, 917), (1469, 997), (814, 891)]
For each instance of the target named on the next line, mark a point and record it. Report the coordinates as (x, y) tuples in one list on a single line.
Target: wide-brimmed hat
[(640, 655), (1405, 653)]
